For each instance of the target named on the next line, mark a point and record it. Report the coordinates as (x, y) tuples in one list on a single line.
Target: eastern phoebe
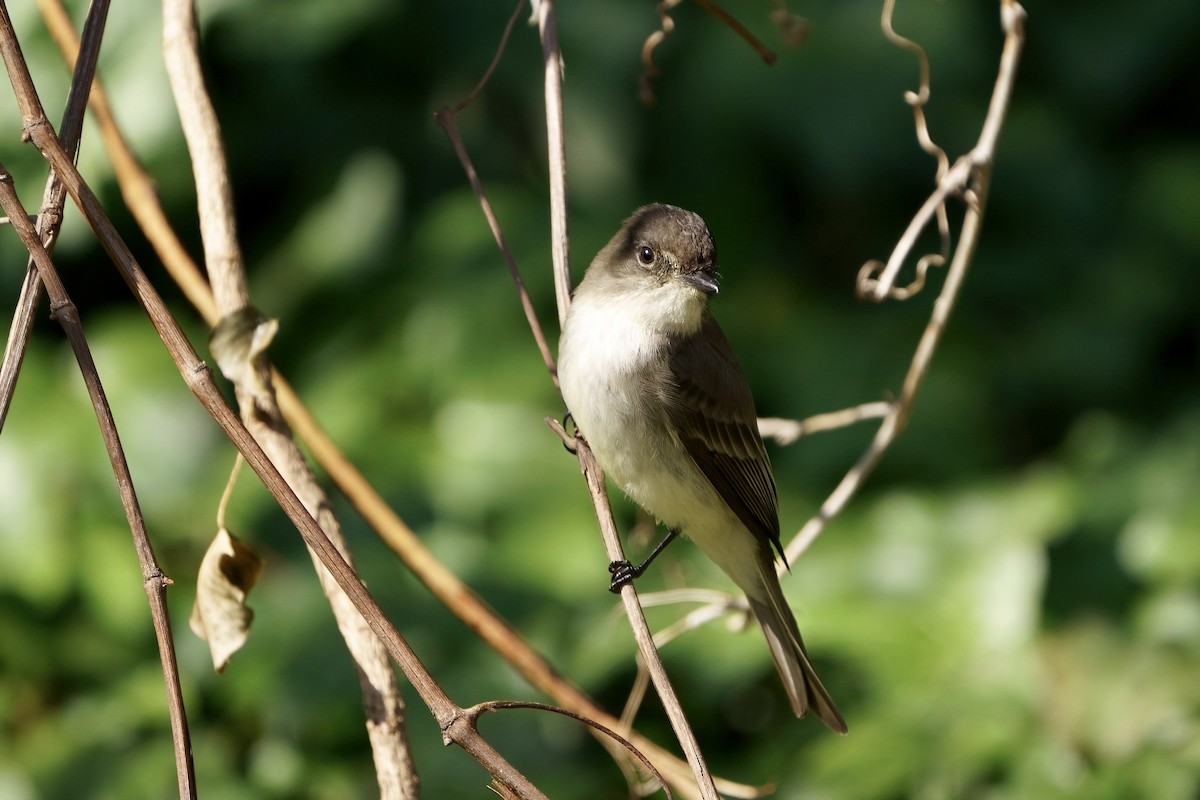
[(654, 388)]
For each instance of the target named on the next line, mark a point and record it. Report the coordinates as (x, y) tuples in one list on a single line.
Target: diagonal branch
[(382, 701), (787, 431), (447, 118), (610, 734), (154, 580), (40, 241), (970, 176), (594, 477), (137, 187), (54, 197)]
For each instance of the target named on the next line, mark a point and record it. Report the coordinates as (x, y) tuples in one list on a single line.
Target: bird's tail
[(783, 636)]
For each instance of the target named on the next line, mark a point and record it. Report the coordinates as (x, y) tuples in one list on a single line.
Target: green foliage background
[(1009, 609)]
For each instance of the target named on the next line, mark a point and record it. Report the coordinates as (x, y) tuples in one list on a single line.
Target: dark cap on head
[(667, 241), (685, 232)]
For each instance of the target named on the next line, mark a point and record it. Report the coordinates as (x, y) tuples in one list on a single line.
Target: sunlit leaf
[(220, 616)]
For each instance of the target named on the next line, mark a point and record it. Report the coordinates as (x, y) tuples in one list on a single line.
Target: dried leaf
[(236, 343), (227, 574)]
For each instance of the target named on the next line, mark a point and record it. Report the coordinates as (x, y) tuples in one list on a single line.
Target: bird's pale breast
[(605, 360)]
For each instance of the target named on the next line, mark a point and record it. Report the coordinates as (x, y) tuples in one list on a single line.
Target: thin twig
[(557, 155), (447, 118), (917, 101), (970, 175), (765, 53), (19, 333), (716, 605), (479, 710), (650, 70), (637, 618), (137, 187), (383, 702), (228, 492), (40, 239), (49, 218), (154, 580), (787, 431), (199, 380)]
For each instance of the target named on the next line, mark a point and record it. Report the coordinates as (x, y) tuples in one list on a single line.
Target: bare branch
[(447, 118), (917, 100), (39, 239), (218, 227), (479, 710), (787, 431), (383, 702), (637, 619), (650, 70), (970, 175), (765, 53), (154, 580), (715, 605), (137, 187), (557, 154), (50, 217)]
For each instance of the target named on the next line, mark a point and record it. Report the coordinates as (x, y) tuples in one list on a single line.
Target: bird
[(653, 387)]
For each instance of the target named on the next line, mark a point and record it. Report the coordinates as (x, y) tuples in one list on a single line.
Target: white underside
[(605, 344)]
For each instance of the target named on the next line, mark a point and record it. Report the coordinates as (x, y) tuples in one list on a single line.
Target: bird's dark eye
[(645, 255)]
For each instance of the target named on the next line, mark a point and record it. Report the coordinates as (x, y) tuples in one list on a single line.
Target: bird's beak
[(703, 280)]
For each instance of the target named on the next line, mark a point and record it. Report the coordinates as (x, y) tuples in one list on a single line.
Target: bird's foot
[(569, 440), (623, 572)]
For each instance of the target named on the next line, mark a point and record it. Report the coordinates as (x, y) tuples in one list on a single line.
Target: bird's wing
[(711, 409)]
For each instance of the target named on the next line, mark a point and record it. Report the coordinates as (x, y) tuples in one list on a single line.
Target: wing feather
[(712, 410)]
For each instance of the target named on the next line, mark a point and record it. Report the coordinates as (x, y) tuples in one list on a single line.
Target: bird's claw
[(569, 445), (622, 573)]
